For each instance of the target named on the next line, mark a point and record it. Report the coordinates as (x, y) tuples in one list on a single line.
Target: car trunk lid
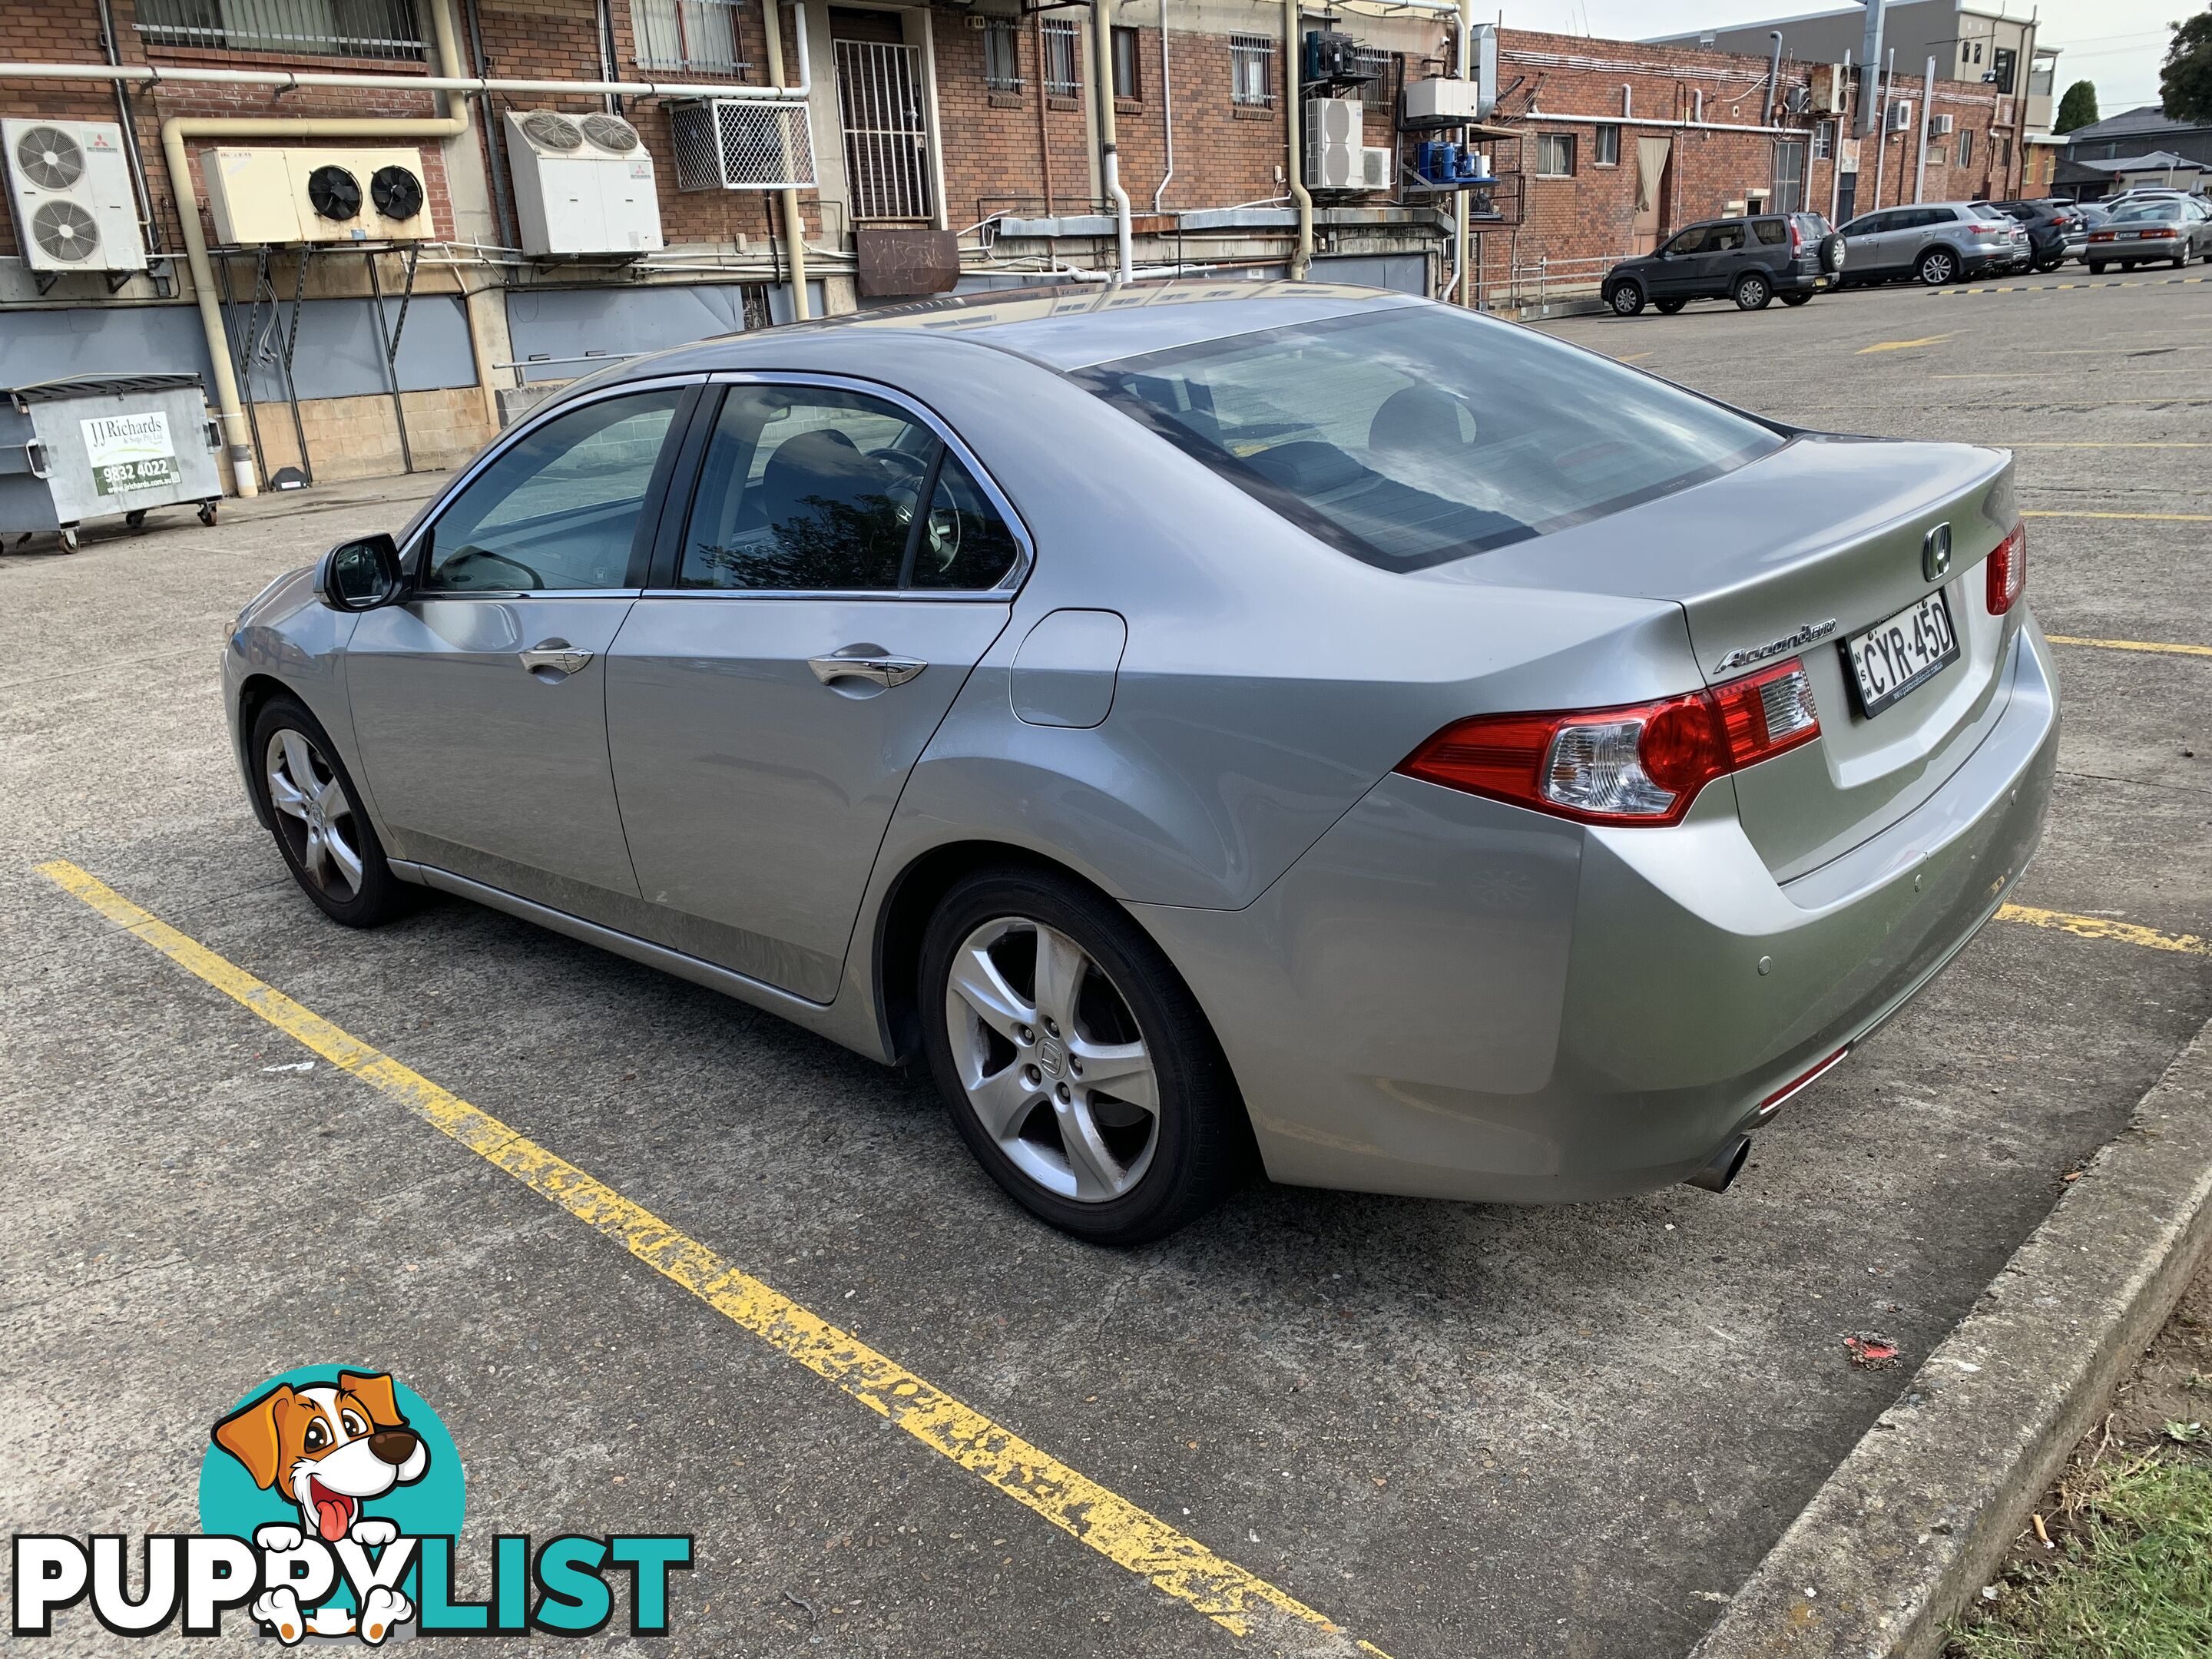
[(1792, 556)]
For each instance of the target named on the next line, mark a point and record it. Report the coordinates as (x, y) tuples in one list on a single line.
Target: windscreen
[(1410, 437)]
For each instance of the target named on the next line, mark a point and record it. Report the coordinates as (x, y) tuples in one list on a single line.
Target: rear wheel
[(1795, 299), (1074, 1061), (1753, 291), (1626, 298), (1937, 266), (2096, 267), (1669, 307), (327, 840)]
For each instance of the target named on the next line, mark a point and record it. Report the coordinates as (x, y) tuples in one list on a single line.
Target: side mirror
[(361, 574)]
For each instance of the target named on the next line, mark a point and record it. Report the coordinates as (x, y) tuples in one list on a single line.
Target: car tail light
[(2158, 230), (1641, 764), (2008, 567), (1796, 237), (2104, 236)]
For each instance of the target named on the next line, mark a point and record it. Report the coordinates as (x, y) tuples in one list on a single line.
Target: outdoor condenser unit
[(282, 197), (1333, 130), (1375, 167), (70, 183), (1900, 116), (582, 184), (1443, 99), (742, 143)]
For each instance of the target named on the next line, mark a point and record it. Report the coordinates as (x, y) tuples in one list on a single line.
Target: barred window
[(1555, 156), (1824, 141), (1002, 55), (1252, 70), (335, 28), (1378, 90), (1062, 78), (700, 36)]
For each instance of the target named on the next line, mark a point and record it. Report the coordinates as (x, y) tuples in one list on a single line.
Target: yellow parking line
[(2013, 443), (1175, 1564), (2103, 927), (2132, 645), (2161, 518), (1901, 345)]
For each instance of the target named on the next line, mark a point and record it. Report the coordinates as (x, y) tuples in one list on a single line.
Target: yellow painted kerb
[(1175, 1563), (2126, 932), (2132, 645)]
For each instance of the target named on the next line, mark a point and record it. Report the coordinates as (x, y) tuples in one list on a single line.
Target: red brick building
[(979, 119)]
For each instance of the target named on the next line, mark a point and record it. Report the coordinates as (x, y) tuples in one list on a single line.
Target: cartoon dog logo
[(329, 1450)]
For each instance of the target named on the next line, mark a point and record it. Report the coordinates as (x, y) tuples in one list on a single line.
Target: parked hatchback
[(2056, 231), (1193, 721), (1934, 243), (1750, 261)]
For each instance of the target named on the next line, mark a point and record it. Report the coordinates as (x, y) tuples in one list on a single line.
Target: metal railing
[(385, 30)]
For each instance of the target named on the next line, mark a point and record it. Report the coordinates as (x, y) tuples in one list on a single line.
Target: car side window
[(1866, 224), (1772, 232), (1724, 239), (1919, 217), (815, 489), (1691, 240), (559, 509)]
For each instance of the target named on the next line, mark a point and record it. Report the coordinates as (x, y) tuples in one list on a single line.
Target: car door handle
[(556, 654), (862, 663)]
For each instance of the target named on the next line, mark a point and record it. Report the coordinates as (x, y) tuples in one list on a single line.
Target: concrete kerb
[(1916, 1519)]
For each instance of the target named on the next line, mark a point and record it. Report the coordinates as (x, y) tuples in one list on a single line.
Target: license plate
[(1898, 655)]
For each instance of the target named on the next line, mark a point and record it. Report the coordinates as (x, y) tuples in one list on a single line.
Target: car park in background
[(2150, 230), (2056, 232), (1750, 261), (1934, 243)]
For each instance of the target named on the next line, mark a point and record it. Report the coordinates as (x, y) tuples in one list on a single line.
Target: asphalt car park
[(1444, 1428)]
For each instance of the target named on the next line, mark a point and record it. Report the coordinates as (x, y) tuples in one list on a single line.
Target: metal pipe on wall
[(1927, 104), (795, 223), (1869, 55), (1881, 128), (1167, 111), (1109, 159), (1301, 261)]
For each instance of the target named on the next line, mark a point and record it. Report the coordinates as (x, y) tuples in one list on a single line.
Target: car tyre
[(1098, 1099), (1752, 290), (2096, 267), (1796, 299), (1669, 307), (1938, 266), (1831, 253), (313, 809), (1626, 298)]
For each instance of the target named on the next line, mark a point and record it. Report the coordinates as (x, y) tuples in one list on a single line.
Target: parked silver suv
[(1935, 242)]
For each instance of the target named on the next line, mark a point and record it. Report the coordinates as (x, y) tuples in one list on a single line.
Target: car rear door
[(1722, 261), (821, 590), (479, 703)]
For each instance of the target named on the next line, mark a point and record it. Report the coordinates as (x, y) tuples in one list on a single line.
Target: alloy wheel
[(1936, 270), (1051, 1059), (315, 816)]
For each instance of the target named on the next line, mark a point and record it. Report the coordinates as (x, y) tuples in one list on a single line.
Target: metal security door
[(886, 134)]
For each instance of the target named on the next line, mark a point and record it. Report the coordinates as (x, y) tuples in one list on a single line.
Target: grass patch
[(2130, 1576)]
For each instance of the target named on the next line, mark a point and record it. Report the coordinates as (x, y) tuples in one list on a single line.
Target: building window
[(1555, 156), (1062, 79), (1936, 154), (1605, 150), (1966, 148), (1789, 195), (2001, 144), (1379, 90), (1002, 55), (320, 29), (699, 35), (2004, 64), (1252, 70), (1127, 82), (1824, 141)]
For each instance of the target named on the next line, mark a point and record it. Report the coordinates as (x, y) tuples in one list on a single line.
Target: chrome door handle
[(556, 654), (882, 670)]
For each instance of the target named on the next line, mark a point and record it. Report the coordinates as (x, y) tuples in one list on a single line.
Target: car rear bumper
[(1454, 998)]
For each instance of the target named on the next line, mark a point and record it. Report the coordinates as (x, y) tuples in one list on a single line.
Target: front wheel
[(1669, 307), (1627, 299), (1938, 266), (1074, 1061), (1753, 291), (327, 840), (1796, 299), (2096, 267)]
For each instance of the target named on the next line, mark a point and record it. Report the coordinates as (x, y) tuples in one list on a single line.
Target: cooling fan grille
[(64, 231), (49, 158), (611, 132), (543, 126)]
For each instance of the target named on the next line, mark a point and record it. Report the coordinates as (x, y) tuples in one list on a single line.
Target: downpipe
[(1302, 261), (1723, 1166), (1101, 41)]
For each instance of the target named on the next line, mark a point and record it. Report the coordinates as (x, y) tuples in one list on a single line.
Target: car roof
[(1063, 326)]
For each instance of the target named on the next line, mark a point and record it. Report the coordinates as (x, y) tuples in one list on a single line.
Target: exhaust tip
[(1722, 1168)]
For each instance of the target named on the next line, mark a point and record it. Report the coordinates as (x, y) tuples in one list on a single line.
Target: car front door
[(479, 703), (1674, 276), (1868, 245), (841, 569)]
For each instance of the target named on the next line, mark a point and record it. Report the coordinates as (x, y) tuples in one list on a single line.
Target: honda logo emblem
[(1936, 553)]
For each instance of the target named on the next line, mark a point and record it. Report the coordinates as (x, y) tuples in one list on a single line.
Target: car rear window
[(1410, 437)]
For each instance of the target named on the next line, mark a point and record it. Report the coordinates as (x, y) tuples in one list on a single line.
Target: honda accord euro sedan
[(1200, 725)]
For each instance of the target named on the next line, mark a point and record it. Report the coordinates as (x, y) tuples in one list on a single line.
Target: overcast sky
[(2117, 44)]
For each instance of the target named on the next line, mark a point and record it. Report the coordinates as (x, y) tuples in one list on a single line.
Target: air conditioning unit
[(1796, 100), (2004, 113), (1335, 128), (69, 183), (1374, 168), (1444, 98), (583, 184), (1832, 89), (741, 143), (1900, 116), (282, 196), (1940, 126)]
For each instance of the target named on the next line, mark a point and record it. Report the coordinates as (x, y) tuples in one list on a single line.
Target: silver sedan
[(1207, 726), (2152, 230)]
